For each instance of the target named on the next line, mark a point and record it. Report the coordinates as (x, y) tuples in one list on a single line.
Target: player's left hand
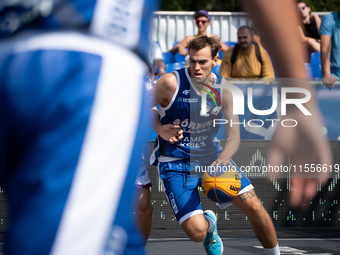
[(222, 161)]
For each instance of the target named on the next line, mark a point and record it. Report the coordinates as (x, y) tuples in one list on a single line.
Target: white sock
[(273, 251), (211, 224)]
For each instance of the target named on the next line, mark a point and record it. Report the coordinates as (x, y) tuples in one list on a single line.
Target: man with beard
[(246, 59)]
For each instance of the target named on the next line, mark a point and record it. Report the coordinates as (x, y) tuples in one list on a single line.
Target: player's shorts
[(143, 180), (181, 189)]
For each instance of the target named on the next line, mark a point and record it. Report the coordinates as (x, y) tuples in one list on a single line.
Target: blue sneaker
[(212, 243)]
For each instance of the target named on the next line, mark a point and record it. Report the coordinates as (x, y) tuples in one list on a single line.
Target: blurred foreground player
[(304, 143), (70, 141)]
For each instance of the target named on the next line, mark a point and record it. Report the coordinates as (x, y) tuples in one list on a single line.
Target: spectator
[(247, 59), (330, 48), (202, 19), (309, 29)]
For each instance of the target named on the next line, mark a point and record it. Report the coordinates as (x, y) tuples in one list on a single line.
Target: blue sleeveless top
[(199, 143)]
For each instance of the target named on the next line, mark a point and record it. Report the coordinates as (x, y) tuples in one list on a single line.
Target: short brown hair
[(246, 28), (201, 42)]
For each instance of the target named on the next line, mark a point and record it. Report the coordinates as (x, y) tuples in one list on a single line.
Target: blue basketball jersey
[(199, 142), (72, 123)]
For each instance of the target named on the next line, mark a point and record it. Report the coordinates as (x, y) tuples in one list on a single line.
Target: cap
[(201, 13)]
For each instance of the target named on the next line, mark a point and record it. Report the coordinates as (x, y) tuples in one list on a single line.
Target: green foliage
[(212, 5), (324, 6), (235, 6)]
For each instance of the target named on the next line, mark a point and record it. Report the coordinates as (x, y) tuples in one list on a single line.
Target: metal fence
[(169, 27)]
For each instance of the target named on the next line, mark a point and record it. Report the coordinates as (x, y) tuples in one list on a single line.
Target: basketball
[(221, 183)]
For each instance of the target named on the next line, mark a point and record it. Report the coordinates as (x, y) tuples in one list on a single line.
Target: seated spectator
[(247, 59), (202, 19), (330, 48), (309, 29)]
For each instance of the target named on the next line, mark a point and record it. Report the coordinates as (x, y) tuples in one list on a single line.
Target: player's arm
[(181, 46), (161, 94), (326, 45), (232, 132)]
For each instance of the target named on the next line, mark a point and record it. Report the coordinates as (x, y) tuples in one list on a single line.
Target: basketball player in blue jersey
[(179, 96), (70, 141)]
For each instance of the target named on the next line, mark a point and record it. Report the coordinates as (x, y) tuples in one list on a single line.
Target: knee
[(256, 210), (196, 228), (198, 235)]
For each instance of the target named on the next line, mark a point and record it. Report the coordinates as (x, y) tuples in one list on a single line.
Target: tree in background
[(324, 6), (213, 5), (234, 5)]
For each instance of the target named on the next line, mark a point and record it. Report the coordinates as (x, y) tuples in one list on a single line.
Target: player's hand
[(171, 133), (305, 145), (222, 161), (329, 82)]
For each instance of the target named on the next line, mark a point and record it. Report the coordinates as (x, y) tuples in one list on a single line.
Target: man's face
[(244, 38), (202, 23), (201, 63)]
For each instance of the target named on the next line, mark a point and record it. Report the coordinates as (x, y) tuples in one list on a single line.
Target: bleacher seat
[(179, 57), (220, 54), (316, 71), (168, 57), (229, 43), (175, 43), (216, 69), (173, 66), (315, 65), (315, 58)]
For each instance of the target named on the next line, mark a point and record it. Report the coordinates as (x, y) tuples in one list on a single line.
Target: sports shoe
[(212, 243)]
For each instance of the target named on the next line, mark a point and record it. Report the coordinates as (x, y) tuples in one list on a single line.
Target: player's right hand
[(171, 133)]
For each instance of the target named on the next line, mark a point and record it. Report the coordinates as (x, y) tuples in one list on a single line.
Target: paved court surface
[(244, 242)]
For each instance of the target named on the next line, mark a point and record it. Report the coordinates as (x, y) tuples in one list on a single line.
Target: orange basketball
[(221, 185)]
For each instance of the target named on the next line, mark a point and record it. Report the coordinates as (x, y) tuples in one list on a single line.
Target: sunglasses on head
[(199, 20), (302, 8)]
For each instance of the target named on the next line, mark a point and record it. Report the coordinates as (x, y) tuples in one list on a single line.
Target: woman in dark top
[(309, 29)]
